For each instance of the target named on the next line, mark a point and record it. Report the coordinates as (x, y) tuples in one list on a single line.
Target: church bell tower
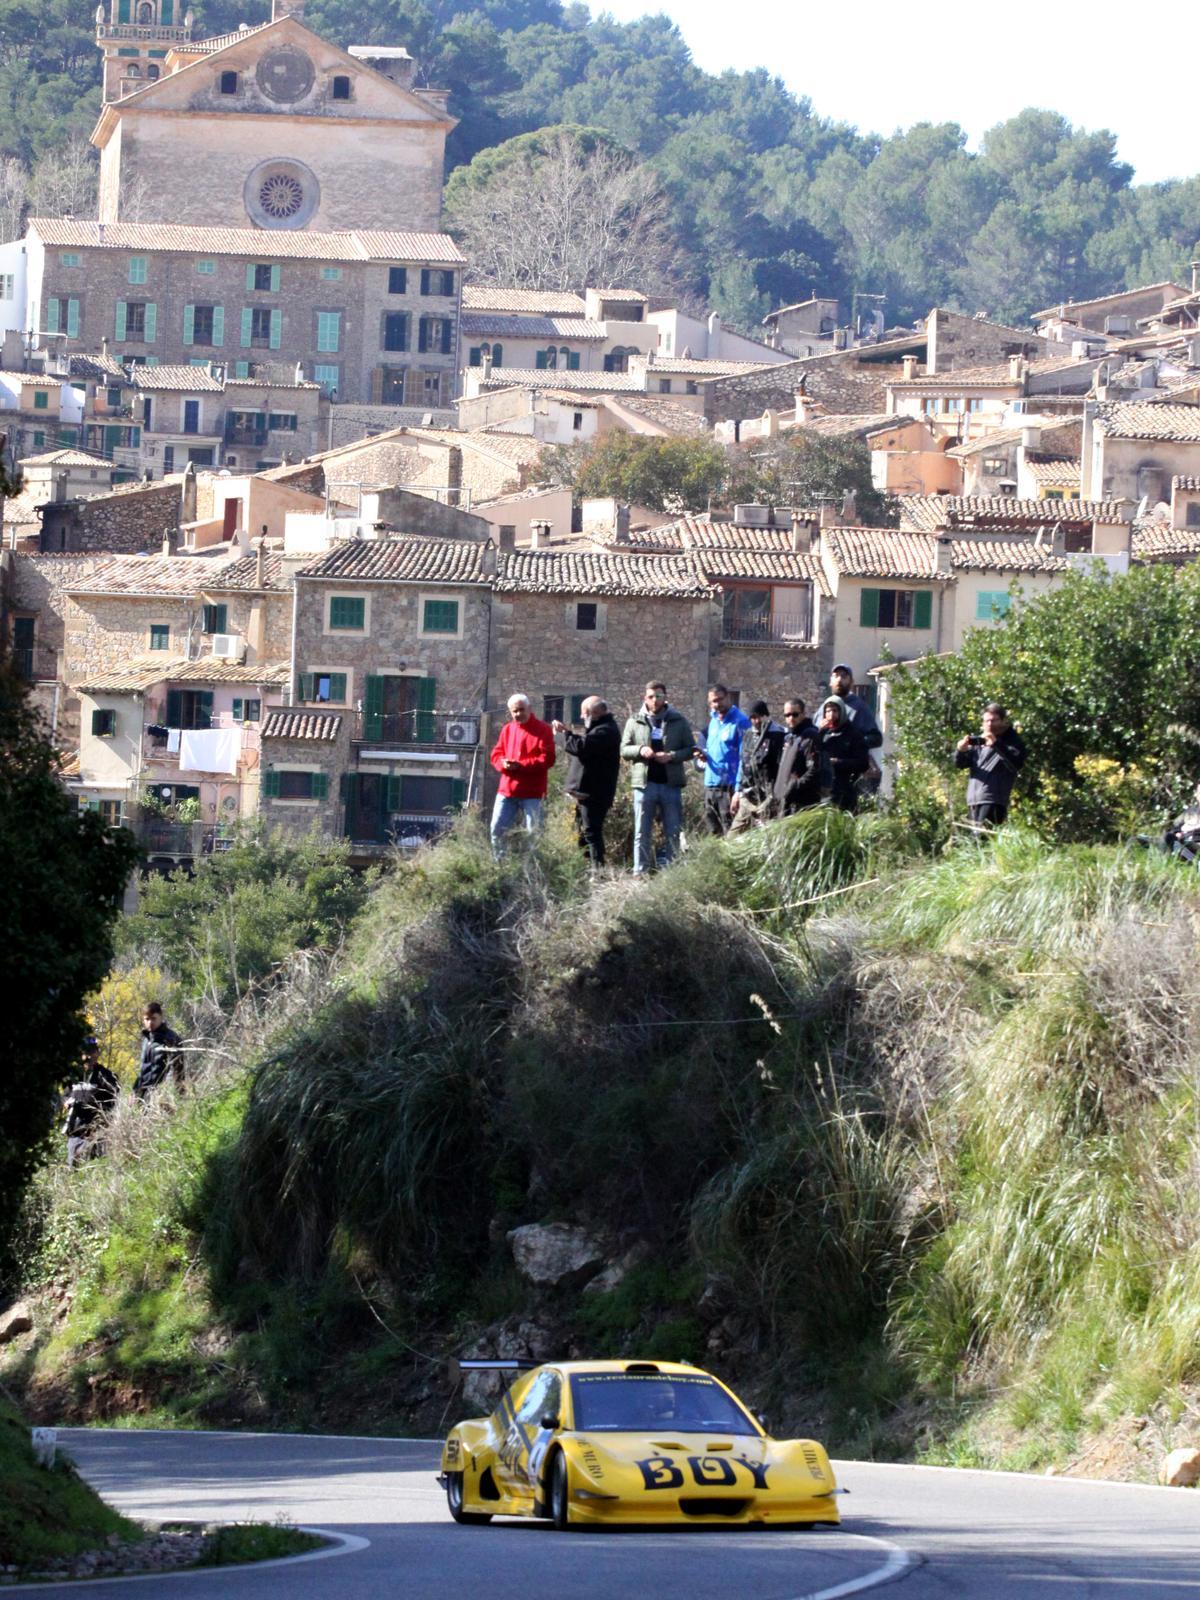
[(134, 40)]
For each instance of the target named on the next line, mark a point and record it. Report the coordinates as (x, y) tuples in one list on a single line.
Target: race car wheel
[(454, 1499), (560, 1494)]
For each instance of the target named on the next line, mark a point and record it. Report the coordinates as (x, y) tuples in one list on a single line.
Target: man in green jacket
[(658, 744)]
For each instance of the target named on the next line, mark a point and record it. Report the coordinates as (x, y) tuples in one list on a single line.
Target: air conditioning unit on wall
[(229, 646), (462, 730)]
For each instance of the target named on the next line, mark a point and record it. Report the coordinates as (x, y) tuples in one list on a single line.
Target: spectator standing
[(843, 752), (593, 767), (89, 1104), (721, 755), (841, 684), (762, 745), (523, 756), (800, 781), (160, 1053), (992, 759), (658, 743)]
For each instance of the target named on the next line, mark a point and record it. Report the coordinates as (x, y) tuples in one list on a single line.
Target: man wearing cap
[(88, 1105), (762, 744), (841, 683)]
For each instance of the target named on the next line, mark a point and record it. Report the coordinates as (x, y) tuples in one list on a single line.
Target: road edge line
[(898, 1563)]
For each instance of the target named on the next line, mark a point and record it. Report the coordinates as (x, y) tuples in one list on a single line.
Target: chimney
[(802, 414), (804, 533), (943, 561), (1193, 350), (909, 368), (850, 507), (508, 536), (260, 560), (1016, 369), (621, 525), (1196, 277), (827, 517), (168, 544), (488, 562), (539, 535), (770, 425), (1030, 438), (187, 494)]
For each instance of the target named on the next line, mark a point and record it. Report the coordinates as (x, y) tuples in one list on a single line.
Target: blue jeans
[(506, 811), (656, 799)]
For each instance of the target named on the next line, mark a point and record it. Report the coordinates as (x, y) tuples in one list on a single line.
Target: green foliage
[(673, 475), (1105, 747), (239, 1542), (245, 910), (64, 875)]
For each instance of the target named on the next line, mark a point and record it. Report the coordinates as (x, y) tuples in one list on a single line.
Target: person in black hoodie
[(592, 772), (160, 1053), (762, 745), (88, 1105), (800, 780), (844, 752)]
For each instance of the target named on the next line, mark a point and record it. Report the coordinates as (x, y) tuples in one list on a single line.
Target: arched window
[(152, 71), (133, 70), (145, 14), (497, 355)]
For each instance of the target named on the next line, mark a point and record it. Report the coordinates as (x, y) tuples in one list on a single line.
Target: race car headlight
[(592, 1494)]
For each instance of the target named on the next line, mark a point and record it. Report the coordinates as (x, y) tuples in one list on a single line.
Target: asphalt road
[(937, 1535)]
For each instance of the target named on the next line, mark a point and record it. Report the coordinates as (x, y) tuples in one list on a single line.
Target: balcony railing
[(367, 829), (159, 836), (134, 30), (396, 727), (256, 436), (786, 627)]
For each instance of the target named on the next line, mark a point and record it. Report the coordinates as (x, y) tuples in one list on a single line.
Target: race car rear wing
[(516, 1364)]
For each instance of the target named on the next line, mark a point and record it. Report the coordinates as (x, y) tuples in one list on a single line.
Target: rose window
[(281, 195)]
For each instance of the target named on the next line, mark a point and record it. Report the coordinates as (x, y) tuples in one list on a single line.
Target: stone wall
[(775, 672), (36, 586), (126, 522), (959, 341), (843, 384), (310, 755)]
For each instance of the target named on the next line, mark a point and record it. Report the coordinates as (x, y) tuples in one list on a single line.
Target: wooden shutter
[(425, 275), (174, 708), (250, 274), (218, 331), (395, 792), (423, 335), (247, 326), (458, 792), (52, 316), (72, 318), (923, 608), (275, 279), (868, 614), (447, 336), (204, 708), (120, 322), (238, 706), (151, 332), (270, 784), (276, 328), (376, 386), (426, 701), (189, 324), (98, 717), (346, 788), (320, 785), (540, 358), (304, 687), (573, 360), (373, 708)]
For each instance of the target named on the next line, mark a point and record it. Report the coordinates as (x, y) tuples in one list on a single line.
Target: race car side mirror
[(550, 1420)]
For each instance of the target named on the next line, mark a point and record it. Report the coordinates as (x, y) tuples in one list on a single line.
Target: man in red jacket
[(523, 757)]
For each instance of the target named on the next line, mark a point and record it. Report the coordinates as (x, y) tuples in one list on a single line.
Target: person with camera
[(593, 769), (88, 1105), (992, 759)]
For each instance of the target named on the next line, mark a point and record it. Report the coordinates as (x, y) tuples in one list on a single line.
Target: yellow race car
[(585, 1443)]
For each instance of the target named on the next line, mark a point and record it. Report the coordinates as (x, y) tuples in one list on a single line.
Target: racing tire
[(559, 1494), (454, 1500)]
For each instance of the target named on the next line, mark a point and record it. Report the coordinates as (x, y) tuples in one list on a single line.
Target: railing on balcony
[(235, 435), (135, 30), (159, 836), (395, 727), (786, 627), (367, 828)]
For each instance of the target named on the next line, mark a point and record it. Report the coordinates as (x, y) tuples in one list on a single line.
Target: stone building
[(203, 414), (1136, 449)]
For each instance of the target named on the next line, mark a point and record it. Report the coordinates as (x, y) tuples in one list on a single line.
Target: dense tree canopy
[(768, 200), (674, 475)]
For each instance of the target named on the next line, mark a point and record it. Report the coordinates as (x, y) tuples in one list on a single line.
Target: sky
[(880, 65)]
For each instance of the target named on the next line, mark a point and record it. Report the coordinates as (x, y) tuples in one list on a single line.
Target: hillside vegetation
[(907, 1148)]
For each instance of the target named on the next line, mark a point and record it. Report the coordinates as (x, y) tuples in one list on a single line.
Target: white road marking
[(898, 1562)]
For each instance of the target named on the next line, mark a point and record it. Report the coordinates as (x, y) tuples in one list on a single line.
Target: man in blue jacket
[(720, 758)]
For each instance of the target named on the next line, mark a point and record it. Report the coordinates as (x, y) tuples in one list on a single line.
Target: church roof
[(351, 245)]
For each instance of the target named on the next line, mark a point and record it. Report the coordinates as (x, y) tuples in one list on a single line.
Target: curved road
[(939, 1535)]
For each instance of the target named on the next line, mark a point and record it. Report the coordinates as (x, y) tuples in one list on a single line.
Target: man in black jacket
[(592, 772), (992, 758), (88, 1105), (762, 745), (160, 1053), (844, 751), (800, 777)]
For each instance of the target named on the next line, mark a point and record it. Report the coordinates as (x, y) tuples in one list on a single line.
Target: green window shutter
[(137, 269), (395, 792), (458, 792), (204, 706), (923, 608), (52, 317), (329, 331), (270, 784), (320, 785), (249, 274), (426, 701), (337, 687), (189, 324), (305, 687), (237, 710), (215, 618), (241, 369), (345, 612), (868, 615), (276, 328), (247, 326), (73, 318), (424, 280), (98, 723), (373, 708), (275, 279), (346, 788), (151, 322), (41, 400), (573, 361), (167, 13), (120, 330), (475, 356), (577, 707), (540, 358), (174, 708), (218, 334), (123, 9), (440, 616)]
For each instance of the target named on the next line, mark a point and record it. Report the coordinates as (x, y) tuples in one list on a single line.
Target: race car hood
[(719, 1463)]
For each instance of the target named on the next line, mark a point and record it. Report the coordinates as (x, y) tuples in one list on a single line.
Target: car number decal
[(660, 1472)]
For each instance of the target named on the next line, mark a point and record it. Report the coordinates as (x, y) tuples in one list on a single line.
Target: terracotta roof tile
[(349, 245), (698, 533), (317, 726), (402, 560), (675, 420), (1187, 484), (1160, 542), (1069, 306), (1054, 473), (881, 553), (996, 375), (65, 458), (170, 576), (693, 367), (544, 302), (198, 379), (502, 325), (212, 669), (243, 574), (604, 573), (1147, 420), (547, 378), (1005, 555), (931, 512), (132, 676), (791, 566)]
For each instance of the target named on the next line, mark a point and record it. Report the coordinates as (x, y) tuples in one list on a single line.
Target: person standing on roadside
[(858, 709), (592, 771), (523, 756), (160, 1053), (992, 758), (88, 1104), (800, 780), (658, 743), (843, 752), (762, 745), (721, 757)]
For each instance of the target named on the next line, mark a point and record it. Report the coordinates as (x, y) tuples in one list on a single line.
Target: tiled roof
[(211, 669), (501, 325), (243, 574), (665, 537), (986, 441), (881, 553), (544, 302), (593, 572), (1005, 555), (355, 245), (1137, 419), (698, 533), (102, 366), (291, 382), (543, 378), (319, 726), (791, 566), (1158, 541), (1069, 306), (691, 367), (838, 425), (934, 511), (632, 296), (65, 458), (220, 41), (1054, 473), (518, 449), (582, 402), (402, 560), (674, 419), (198, 379), (994, 376), (132, 676), (1187, 484), (177, 576)]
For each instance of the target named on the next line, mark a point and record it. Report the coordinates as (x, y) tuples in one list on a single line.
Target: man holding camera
[(992, 758)]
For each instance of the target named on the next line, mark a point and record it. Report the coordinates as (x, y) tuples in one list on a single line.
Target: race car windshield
[(616, 1402)]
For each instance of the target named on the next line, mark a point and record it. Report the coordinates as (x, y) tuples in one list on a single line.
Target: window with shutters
[(331, 274), (321, 687), (104, 724), (423, 387), (62, 316), (247, 710), (288, 784), (282, 422), (68, 258), (992, 603), (327, 377), (260, 328), (397, 280), (41, 400), (206, 267), (191, 424), (138, 269), (329, 330), (896, 608), (347, 613), (135, 320), (427, 794), (216, 619), (202, 325), (261, 275), (436, 281), (439, 616), (160, 636), (395, 330), (435, 333), (391, 386)]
